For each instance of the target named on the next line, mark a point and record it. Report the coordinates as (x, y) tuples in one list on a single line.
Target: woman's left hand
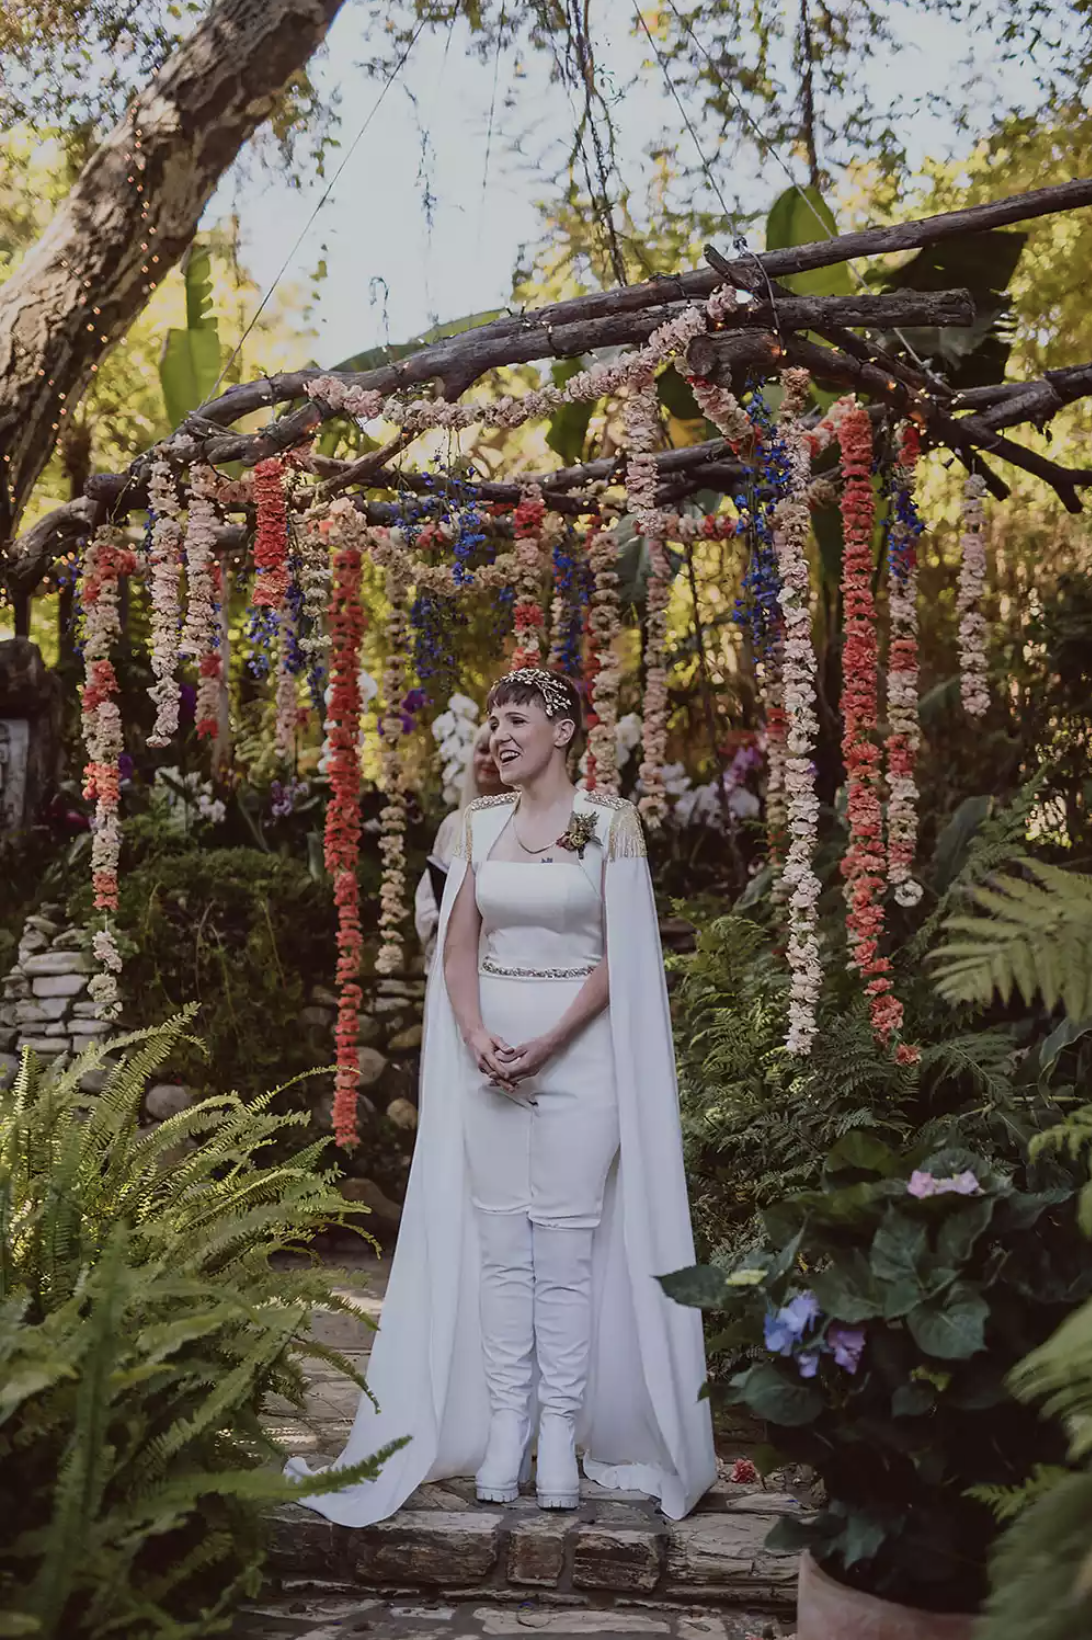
[(529, 1058)]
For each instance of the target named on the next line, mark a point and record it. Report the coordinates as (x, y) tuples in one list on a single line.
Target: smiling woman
[(548, 1166)]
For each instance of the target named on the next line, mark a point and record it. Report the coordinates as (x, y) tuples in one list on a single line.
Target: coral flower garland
[(530, 622), (863, 865), (271, 535), (972, 622), (904, 732), (165, 577), (346, 625), (791, 522), (392, 822), (105, 562)]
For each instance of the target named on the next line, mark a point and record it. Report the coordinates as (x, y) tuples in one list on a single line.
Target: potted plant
[(873, 1330)]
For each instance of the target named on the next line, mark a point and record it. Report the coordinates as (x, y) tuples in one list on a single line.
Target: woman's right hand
[(487, 1050)]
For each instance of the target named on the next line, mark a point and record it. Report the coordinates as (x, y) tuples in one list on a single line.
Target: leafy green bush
[(881, 1314), (143, 1322), (241, 933)]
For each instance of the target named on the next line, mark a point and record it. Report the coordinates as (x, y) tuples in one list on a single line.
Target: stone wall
[(44, 1003)]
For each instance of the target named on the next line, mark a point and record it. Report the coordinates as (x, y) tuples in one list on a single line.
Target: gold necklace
[(523, 845)]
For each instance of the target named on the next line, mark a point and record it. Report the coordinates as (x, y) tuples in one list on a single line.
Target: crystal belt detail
[(505, 971)]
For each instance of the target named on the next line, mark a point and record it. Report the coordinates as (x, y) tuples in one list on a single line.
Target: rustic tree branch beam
[(929, 230), (716, 357)]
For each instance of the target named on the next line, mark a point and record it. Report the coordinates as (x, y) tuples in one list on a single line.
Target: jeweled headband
[(556, 699)]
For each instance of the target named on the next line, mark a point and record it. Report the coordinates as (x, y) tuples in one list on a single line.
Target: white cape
[(644, 1427)]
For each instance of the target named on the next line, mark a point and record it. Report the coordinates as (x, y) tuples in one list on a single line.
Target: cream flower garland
[(653, 803), (201, 633), (392, 822), (165, 578), (314, 640), (791, 522), (972, 622), (604, 626)]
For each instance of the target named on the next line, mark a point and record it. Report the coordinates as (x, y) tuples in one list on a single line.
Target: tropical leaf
[(800, 216), (983, 264), (189, 365)]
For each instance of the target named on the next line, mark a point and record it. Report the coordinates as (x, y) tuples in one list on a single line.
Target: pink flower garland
[(104, 563), (165, 578), (904, 729), (342, 840), (791, 523), (528, 617), (972, 622), (201, 634), (863, 865)]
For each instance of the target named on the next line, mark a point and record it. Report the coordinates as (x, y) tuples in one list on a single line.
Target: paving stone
[(428, 1550), (406, 1041), (723, 1557), (565, 1625), (9, 1066), (727, 1498), (438, 1495), (323, 997), (322, 1017), (31, 1013), (56, 1027), (625, 1559), (43, 925), (402, 1113), (91, 1027), (536, 1550), (73, 939), (44, 1046), (59, 985), (57, 962), (305, 1541)]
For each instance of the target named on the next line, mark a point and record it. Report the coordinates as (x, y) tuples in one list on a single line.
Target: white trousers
[(549, 1161), (535, 1306)]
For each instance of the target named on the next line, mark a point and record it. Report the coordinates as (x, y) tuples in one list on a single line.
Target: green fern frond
[(1037, 940), (1009, 1502)]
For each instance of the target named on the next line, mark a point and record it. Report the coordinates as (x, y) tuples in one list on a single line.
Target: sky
[(391, 270)]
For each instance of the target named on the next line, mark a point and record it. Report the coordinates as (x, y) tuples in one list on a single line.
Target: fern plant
[(143, 1322), (1035, 939)]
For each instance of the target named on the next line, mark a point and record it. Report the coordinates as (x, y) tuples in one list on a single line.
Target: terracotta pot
[(828, 1610)]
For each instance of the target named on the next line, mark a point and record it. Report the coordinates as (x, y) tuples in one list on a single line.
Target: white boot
[(563, 1264), (508, 1342)]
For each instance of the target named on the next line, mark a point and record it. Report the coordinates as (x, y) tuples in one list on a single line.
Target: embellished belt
[(503, 971)]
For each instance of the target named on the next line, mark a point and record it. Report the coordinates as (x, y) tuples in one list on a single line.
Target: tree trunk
[(131, 214)]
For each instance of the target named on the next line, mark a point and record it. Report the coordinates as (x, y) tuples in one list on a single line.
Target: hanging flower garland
[(104, 563), (313, 640), (286, 699), (904, 732), (567, 609), (527, 616), (392, 821), (165, 578), (791, 523), (342, 838), (270, 559), (972, 580), (201, 633), (653, 803), (603, 673), (863, 865)]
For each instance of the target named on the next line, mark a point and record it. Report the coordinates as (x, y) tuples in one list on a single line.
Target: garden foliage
[(144, 1319)]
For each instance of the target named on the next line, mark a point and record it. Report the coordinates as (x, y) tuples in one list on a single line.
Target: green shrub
[(241, 933), (143, 1322)]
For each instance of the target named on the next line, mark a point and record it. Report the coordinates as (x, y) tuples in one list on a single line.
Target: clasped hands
[(506, 1066)]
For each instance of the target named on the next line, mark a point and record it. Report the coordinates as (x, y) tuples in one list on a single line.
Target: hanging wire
[(770, 148), (327, 191)]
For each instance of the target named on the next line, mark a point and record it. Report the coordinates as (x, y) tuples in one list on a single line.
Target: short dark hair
[(510, 689)]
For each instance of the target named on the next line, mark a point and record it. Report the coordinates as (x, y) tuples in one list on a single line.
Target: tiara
[(555, 697)]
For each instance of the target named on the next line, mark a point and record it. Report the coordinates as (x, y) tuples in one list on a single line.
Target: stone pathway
[(447, 1566)]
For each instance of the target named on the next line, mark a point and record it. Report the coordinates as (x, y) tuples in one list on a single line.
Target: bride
[(547, 1190)]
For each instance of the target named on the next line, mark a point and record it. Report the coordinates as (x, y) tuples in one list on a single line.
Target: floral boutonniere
[(578, 834)]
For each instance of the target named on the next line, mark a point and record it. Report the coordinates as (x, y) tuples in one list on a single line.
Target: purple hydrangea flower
[(847, 1345), (808, 1362), (924, 1184), (126, 767), (790, 1323), (921, 1184)]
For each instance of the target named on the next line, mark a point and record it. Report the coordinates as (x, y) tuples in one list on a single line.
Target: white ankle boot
[(563, 1260), (507, 1321)]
